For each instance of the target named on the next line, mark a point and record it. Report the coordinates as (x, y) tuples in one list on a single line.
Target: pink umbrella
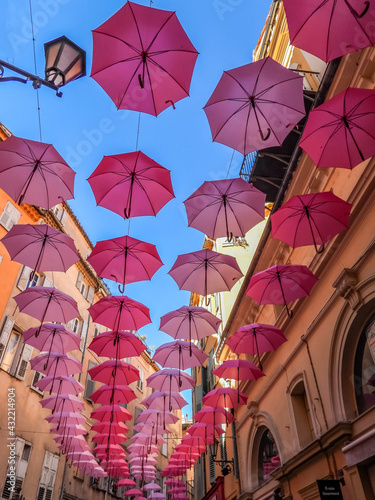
[(213, 415), (114, 371), (179, 354), (143, 59), (225, 208), (157, 495), (125, 260), (255, 106), (281, 284), (339, 132), (143, 438), (107, 394), (170, 379), (115, 449), (55, 363), (118, 427), (62, 402), (60, 384), (187, 322), (120, 313), (69, 430), (47, 304), (238, 369), (142, 461), (133, 492), (142, 448), (157, 400), (34, 173), (203, 430), (64, 418), (151, 487), (117, 345), (52, 337), (151, 415), (255, 339), (344, 26), (174, 481), (126, 482), (205, 272), (131, 184), (225, 397), (111, 413), (40, 247), (109, 438)]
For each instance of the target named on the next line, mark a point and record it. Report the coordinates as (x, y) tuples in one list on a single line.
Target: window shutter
[(90, 294), (212, 468), (47, 282), (79, 280), (198, 398), (24, 362), (24, 278), (37, 376), (90, 384), (10, 216), (84, 331), (5, 334), (141, 377), (41, 492), (63, 217)]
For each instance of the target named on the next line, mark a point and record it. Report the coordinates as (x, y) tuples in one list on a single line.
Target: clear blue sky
[(84, 124)]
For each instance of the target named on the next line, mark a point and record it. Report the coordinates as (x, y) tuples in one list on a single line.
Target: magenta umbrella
[(47, 304), (312, 218), (157, 400), (34, 173), (151, 416), (131, 184), (238, 369), (109, 438), (226, 397), (143, 59), (281, 284), (255, 106), (55, 363), (114, 371), (339, 132), (117, 345), (126, 482), (107, 394), (205, 272), (118, 427), (170, 379), (133, 492), (256, 339), (125, 260), (40, 247), (52, 337), (179, 354), (120, 313), (111, 413), (151, 487), (225, 207), (344, 26), (213, 415)]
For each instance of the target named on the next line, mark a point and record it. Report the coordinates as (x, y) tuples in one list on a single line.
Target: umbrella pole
[(27, 183), (229, 235), (44, 314), (256, 343), (50, 348), (238, 384), (39, 259), (205, 282), (190, 349), (122, 288), (128, 207), (290, 313), (354, 12), (264, 138), (318, 250)]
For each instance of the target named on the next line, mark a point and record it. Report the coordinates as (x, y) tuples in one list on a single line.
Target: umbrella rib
[(308, 19)]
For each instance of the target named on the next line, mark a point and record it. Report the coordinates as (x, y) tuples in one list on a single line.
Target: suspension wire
[(139, 125), (35, 68), (230, 163)]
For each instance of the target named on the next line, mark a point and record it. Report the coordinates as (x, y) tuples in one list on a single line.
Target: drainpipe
[(63, 481), (236, 469), (274, 6)]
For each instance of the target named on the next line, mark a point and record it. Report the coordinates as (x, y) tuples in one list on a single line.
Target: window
[(22, 457), (97, 329), (90, 384), (137, 412), (60, 213), (26, 279), (37, 376), (47, 481), (141, 379), (14, 354), (9, 216), (268, 457), (75, 325), (302, 414), (164, 446), (364, 369), (210, 368)]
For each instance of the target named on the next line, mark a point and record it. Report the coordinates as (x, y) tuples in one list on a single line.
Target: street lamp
[(65, 62), (225, 467)]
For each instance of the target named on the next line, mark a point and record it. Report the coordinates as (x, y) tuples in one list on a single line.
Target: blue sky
[(84, 124)]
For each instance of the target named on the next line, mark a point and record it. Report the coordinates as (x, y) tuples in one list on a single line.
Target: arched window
[(268, 456), (364, 368)]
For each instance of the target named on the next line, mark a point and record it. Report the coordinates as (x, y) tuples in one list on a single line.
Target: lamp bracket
[(225, 462), (36, 81)]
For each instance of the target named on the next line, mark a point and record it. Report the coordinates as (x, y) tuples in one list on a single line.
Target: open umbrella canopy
[(114, 371), (69, 430), (225, 208), (125, 260), (255, 106), (213, 415), (238, 369), (111, 413), (200, 429), (120, 313), (339, 132), (108, 427), (109, 438), (151, 487), (179, 354), (65, 417), (126, 482), (62, 402), (61, 384), (55, 363), (40, 247), (170, 379), (107, 394), (344, 26), (117, 344), (52, 337), (225, 397), (155, 416), (159, 399), (143, 58), (34, 173), (47, 304), (133, 492), (131, 184)]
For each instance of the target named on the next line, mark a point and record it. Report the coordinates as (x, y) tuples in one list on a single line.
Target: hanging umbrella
[(238, 369), (344, 26), (47, 304), (62, 402), (69, 430), (55, 363), (107, 394), (111, 413), (179, 354), (126, 482), (131, 184), (109, 438), (143, 59), (212, 415), (205, 272), (125, 260), (151, 487), (170, 379), (34, 173), (225, 208), (174, 481), (203, 430), (339, 132), (255, 106), (281, 284), (40, 247), (120, 313), (102, 427), (117, 345), (153, 415), (65, 417), (157, 495), (133, 492), (256, 339), (52, 337), (152, 426), (157, 399), (114, 371), (225, 397)]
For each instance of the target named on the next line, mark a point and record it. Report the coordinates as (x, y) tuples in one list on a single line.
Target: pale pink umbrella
[(151, 415), (62, 402), (151, 487), (60, 384), (157, 400), (55, 363), (205, 272), (120, 313), (111, 413), (69, 429), (225, 208), (147, 460), (143, 438), (64, 418), (157, 495), (107, 394), (52, 337), (40, 247), (170, 379), (114, 371), (117, 344), (179, 354)]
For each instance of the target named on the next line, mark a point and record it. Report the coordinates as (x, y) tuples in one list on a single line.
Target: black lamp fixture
[(225, 464), (65, 62)]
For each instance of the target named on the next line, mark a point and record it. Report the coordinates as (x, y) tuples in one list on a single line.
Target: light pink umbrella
[(69, 429), (281, 284), (34, 173), (142, 448), (143, 58), (157, 400), (179, 354), (52, 337), (205, 272), (131, 184), (54, 363), (117, 344), (151, 487), (61, 384), (111, 413), (143, 438), (114, 371), (125, 260), (107, 394), (255, 106), (40, 247), (47, 304), (150, 416), (62, 402), (170, 379), (64, 418), (225, 208), (204, 430), (120, 313), (142, 461), (157, 495)]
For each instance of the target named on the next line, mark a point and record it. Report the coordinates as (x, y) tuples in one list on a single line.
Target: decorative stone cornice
[(345, 285), (253, 409)]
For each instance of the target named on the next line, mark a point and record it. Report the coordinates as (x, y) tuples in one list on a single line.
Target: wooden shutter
[(10, 216), (37, 376), (79, 280), (90, 384), (24, 278), (63, 217), (90, 294), (83, 334), (24, 362), (47, 282), (5, 334), (212, 468)]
